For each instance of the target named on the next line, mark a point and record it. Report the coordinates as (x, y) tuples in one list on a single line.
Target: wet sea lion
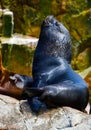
[(55, 83)]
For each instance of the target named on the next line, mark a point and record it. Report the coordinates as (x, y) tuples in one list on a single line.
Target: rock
[(30, 14), (17, 115), (82, 61), (85, 73), (17, 53), (19, 39), (10, 115)]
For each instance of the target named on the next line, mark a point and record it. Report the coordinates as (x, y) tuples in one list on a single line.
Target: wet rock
[(17, 53), (83, 60), (17, 115), (85, 73)]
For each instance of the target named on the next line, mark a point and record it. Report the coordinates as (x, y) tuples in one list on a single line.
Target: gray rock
[(17, 115)]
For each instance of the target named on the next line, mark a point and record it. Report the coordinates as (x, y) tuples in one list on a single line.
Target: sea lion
[(11, 83), (55, 83)]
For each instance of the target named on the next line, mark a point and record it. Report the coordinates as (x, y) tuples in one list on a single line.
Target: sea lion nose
[(49, 20)]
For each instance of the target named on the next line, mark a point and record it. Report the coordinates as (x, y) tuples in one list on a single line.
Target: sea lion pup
[(12, 84), (55, 82)]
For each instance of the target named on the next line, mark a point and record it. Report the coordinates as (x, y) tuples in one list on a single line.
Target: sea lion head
[(55, 39)]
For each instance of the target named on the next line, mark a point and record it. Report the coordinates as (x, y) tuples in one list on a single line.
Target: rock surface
[(19, 39), (17, 53), (17, 115)]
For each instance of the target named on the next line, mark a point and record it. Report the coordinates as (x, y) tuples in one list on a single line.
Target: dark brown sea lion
[(55, 82)]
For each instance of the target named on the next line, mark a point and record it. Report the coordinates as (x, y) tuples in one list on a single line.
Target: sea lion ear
[(18, 81)]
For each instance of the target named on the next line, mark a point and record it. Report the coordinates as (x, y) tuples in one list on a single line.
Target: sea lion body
[(54, 81)]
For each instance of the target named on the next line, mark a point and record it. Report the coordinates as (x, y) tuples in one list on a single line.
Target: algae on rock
[(17, 58)]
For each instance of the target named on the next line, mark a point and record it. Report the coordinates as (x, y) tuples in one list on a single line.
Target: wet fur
[(55, 83)]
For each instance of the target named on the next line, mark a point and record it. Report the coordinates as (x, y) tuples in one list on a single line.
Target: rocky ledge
[(19, 39), (17, 115)]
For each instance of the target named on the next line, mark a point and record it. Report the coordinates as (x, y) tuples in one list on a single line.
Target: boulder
[(17, 53), (17, 115)]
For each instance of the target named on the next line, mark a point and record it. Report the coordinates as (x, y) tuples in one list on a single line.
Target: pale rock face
[(17, 115)]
